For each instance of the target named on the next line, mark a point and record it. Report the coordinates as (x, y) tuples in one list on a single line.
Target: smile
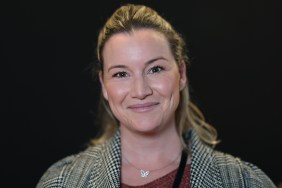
[(143, 107)]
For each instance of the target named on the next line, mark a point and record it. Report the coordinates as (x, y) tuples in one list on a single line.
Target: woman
[(153, 134)]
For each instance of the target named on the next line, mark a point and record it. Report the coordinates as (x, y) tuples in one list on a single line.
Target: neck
[(154, 148)]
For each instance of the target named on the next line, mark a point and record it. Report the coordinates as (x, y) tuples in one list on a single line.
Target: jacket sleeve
[(238, 173), (255, 177), (55, 175)]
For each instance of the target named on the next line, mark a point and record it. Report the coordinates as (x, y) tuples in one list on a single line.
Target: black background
[(50, 102)]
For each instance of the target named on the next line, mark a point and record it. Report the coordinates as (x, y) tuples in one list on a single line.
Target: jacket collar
[(203, 172), (107, 172)]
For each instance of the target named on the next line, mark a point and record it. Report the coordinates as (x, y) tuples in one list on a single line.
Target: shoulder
[(72, 170), (219, 168), (95, 166), (237, 172)]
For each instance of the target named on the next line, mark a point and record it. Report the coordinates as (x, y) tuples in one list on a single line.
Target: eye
[(155, 69), (120, 75)]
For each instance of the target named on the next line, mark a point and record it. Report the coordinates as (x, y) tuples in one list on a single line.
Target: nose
[(141, 88)]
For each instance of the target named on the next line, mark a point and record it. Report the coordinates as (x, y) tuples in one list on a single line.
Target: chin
[(146, 128)]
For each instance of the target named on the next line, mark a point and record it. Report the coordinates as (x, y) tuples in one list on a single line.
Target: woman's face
[(141, 80)]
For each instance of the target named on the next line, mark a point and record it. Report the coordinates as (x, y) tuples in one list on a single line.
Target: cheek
[(167, 85), (116, 92), (116, 97)]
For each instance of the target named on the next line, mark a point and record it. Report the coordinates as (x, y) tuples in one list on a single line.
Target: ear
[(183, 76), (104, 91)]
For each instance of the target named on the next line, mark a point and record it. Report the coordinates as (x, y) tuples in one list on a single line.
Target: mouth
[(143, 107)]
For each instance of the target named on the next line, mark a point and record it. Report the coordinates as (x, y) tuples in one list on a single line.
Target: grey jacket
[(99, 167)]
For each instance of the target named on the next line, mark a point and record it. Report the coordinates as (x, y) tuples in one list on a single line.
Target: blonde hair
[(131, 17)]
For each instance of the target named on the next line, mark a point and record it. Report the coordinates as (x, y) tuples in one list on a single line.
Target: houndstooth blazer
[(99, 167)]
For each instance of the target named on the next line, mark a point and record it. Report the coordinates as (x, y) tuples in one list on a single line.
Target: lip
[(144, 107)]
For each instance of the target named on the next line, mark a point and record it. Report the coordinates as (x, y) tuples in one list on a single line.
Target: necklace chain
[(145, 173)]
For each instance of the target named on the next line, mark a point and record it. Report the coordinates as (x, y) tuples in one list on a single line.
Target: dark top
[(166, 181)]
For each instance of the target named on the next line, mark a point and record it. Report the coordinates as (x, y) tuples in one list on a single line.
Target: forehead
[(144, 34), (140, 43)]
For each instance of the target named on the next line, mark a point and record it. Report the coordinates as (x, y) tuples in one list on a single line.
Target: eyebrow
[(147, 63)]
